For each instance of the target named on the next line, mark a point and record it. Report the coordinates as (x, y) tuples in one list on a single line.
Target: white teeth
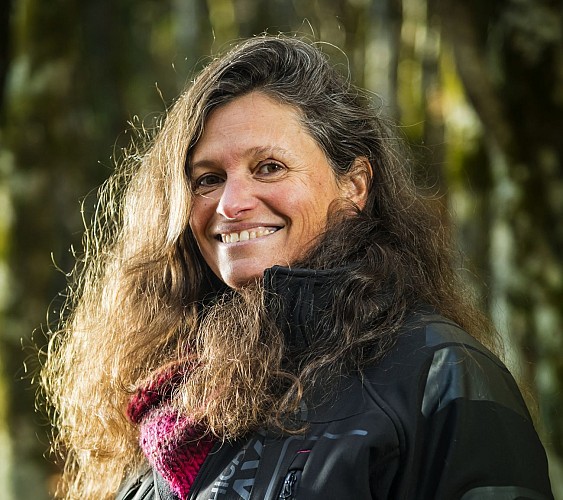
[(245, 235)]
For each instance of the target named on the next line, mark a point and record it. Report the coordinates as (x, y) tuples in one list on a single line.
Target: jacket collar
[(304, 295)]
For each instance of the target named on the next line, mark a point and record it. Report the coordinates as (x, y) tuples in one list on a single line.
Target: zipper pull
[(290, 483)]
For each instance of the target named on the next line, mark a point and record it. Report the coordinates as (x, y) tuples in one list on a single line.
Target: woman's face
[(263, 188)]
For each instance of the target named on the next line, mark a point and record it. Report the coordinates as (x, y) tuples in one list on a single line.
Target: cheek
[(310, 213), (194, 225), (198, 222)]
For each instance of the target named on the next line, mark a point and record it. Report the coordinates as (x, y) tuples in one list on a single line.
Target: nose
[(237, 197)]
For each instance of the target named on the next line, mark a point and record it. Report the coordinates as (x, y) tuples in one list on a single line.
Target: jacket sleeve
[(475, 438)]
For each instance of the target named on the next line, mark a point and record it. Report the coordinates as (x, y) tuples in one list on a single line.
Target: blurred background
[(477, 88)]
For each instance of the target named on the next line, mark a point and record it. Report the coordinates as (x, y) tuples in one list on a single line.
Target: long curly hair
[(141, 297)]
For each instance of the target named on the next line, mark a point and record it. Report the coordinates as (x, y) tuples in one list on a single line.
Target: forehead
[(252, 124), (256, 110)]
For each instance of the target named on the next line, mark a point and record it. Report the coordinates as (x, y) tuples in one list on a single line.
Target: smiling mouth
[(245, 235)]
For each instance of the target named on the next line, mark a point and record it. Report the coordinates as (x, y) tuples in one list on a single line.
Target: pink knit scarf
[(174, 445)]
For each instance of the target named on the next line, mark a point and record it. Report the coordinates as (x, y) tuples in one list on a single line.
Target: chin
[(240, 280), (237, 280)]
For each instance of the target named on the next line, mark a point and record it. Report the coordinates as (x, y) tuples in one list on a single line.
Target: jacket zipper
[(290, 484)]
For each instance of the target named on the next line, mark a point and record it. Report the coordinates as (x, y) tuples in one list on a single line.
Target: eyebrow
[(253, 152)]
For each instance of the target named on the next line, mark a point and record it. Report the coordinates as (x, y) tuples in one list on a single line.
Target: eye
[(207, 181), (270, 168)]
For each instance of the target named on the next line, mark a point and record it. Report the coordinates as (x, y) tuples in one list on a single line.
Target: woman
[(267, 309)]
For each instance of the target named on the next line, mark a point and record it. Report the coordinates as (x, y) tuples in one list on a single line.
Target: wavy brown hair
[(141, 296)]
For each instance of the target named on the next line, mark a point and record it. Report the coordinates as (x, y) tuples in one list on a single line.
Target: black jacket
[(439, 418)]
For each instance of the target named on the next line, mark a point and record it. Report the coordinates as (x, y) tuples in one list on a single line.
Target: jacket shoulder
[(450, 398), (435, 362)]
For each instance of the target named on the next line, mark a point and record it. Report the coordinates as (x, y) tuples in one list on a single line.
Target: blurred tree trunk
[(6, 444), (509, 56), (382, 48), (5, 13), (432, 97)]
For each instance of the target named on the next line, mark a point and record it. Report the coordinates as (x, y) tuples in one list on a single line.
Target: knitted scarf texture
[(175, 445)]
